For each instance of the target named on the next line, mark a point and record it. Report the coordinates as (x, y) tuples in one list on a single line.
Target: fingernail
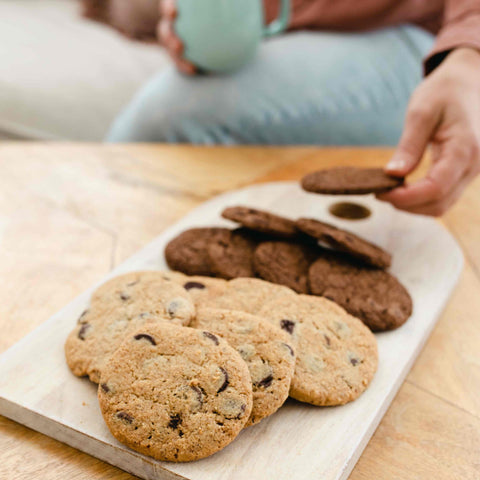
[(396, 164)]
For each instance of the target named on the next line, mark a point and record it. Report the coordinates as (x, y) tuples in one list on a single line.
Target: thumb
[(420, 125)]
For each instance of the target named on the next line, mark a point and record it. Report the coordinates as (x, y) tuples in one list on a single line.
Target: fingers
[(170, 40), (420, 124), (441, 188), (437, 209)]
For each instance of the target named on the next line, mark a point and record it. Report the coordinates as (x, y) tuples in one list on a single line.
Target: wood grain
[(51, 195)]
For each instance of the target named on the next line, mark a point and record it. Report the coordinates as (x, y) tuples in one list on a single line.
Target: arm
[(444, 112)]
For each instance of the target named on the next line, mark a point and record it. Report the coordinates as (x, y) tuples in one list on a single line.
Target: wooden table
[(69, 213)]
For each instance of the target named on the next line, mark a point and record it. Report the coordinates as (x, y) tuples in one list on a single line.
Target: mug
[(223, 35)]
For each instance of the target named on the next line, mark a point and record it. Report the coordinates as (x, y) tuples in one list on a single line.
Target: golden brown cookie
[(336, 354), (119, 307), (176, 394), (249, 295), (264, 348)]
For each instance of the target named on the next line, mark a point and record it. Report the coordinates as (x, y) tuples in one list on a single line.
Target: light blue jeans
[(303, 88)]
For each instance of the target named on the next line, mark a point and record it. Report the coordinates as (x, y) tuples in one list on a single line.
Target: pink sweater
[(456, 22)]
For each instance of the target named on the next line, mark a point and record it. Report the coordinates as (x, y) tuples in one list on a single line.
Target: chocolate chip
[(141, 336), (225, 382), (105, 387), (292, 353), (353, 359), (124, 296), (125, 417), (173, 307), (266, 382), (175, 421), (81, 316), (199, 392), (212, 337), (287, 325), (327, 340), (83, 330), (191, 285), (242, 410)]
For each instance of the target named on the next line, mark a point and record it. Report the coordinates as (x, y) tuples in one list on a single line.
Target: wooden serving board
[(298, 442)]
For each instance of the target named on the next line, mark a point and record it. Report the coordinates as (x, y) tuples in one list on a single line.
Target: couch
[(63, 77)]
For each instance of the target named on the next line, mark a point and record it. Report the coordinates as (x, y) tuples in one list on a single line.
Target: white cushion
[(64, 77)]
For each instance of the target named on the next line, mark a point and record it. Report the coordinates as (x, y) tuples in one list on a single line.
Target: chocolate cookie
[(188, 253), (119, 307), (284, 263), (336, 354), (174, 393), (231, 254), (350, 181), (264, 348), (249, 295), (346, 242), (262, 221), (373, 295)]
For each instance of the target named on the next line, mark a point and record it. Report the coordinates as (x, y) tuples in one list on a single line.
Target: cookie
[(336, 354), (119, 307), (176, 394), (346, 242), (350, 181), (373, 295), (249, 295), (284, 263), (262, 221), (230, 255), (188, 254), (203, 290), (265, 349)]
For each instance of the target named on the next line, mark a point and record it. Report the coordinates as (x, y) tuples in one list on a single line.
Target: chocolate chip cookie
[(346, 242), (264, 348), (336, 354), (176, 394), (188, 253), (350, 181), (230, 255), (285, 263), (262, 221), (373, 295), (119, 307), (202, 290), (249, 295)]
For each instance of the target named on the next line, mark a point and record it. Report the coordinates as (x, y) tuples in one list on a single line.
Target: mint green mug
[(223, 35)]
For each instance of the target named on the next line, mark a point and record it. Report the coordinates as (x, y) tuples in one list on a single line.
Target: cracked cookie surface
[(375, 296), (265, 349), (118, 307), (175, 393), (336, 353)]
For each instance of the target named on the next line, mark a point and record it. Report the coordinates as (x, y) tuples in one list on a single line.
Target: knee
[(172, 108)]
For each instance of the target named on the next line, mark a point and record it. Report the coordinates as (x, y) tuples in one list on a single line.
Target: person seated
[(347, 73)]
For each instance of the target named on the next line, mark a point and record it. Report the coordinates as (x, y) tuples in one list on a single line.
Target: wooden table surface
[(69, 213)]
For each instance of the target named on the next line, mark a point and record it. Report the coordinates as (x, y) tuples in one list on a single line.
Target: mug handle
[(281, 23)]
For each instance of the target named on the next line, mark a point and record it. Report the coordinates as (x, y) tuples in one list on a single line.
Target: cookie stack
[(306, 255), (184, 363)]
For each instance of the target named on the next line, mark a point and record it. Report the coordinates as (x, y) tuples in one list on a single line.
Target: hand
[(443, 111), (166, 33)]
